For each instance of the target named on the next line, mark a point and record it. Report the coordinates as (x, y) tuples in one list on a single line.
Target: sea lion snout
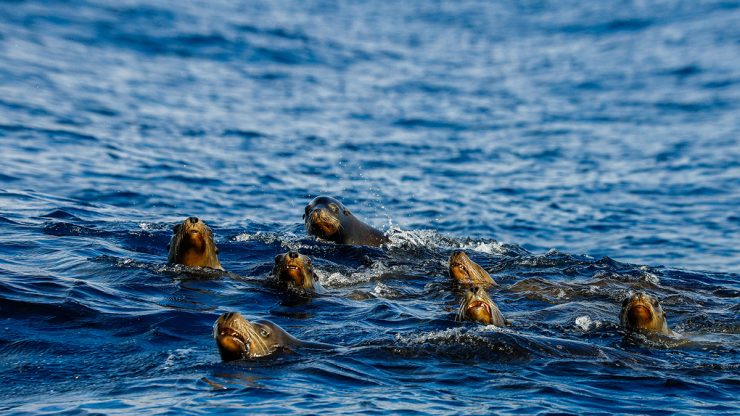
[(233, 343), (322, 222), (319, 214), (466, 272), (477, 306), (639, 315), (641, 311)]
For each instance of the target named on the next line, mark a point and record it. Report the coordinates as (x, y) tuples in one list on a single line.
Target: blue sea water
[(576, 150)]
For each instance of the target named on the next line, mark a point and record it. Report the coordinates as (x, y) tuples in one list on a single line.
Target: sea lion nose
[(193, 220), (293, 255), (474, 289)]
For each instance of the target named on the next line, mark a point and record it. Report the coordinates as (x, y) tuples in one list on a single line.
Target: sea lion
[(239, 339), (466, 272), (642, 312), (295, 271), (328, 219), (477, 306), (192, 245)]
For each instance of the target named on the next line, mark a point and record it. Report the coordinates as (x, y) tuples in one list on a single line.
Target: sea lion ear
[(303, 216), (168, 246), (346, 212), (176, 229), (216, 250)]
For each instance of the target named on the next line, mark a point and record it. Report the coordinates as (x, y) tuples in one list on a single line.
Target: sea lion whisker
[(461, 310), (257, 338)]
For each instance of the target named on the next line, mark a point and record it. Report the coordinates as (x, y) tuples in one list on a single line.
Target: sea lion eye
[(334, 208), (264, 333)]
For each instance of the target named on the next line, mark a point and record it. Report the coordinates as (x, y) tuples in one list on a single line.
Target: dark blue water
[(577, 150)]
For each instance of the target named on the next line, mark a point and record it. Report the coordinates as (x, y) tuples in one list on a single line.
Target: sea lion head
[(324, 217), (238, 338), (466, 272), (477, 306), (294, 269), (192, 245), (643, 312)]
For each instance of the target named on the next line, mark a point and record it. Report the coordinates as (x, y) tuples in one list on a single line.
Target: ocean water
[(576, 150)]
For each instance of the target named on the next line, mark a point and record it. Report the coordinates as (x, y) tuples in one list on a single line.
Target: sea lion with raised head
[(192, 245), (295, 271), (328, 219), (467, 273), (642, 312), (239, 339), (477, 306)]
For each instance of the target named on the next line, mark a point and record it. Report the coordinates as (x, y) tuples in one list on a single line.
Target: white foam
[(432, 239), (493, 247), (426, 238), (334, 279), (360, 276), (178, 355), (288, 241), (452, 335), (243, 237), (585, 323), (383, 291), (649, 277), (434, 336)]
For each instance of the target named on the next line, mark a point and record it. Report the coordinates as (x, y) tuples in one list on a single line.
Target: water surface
[(576, 151)]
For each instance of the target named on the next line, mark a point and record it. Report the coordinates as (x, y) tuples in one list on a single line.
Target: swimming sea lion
[(477, 306), (192, 245), (296, 271), (328, 219), (643, 312), (239, 339), (466, 272)]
